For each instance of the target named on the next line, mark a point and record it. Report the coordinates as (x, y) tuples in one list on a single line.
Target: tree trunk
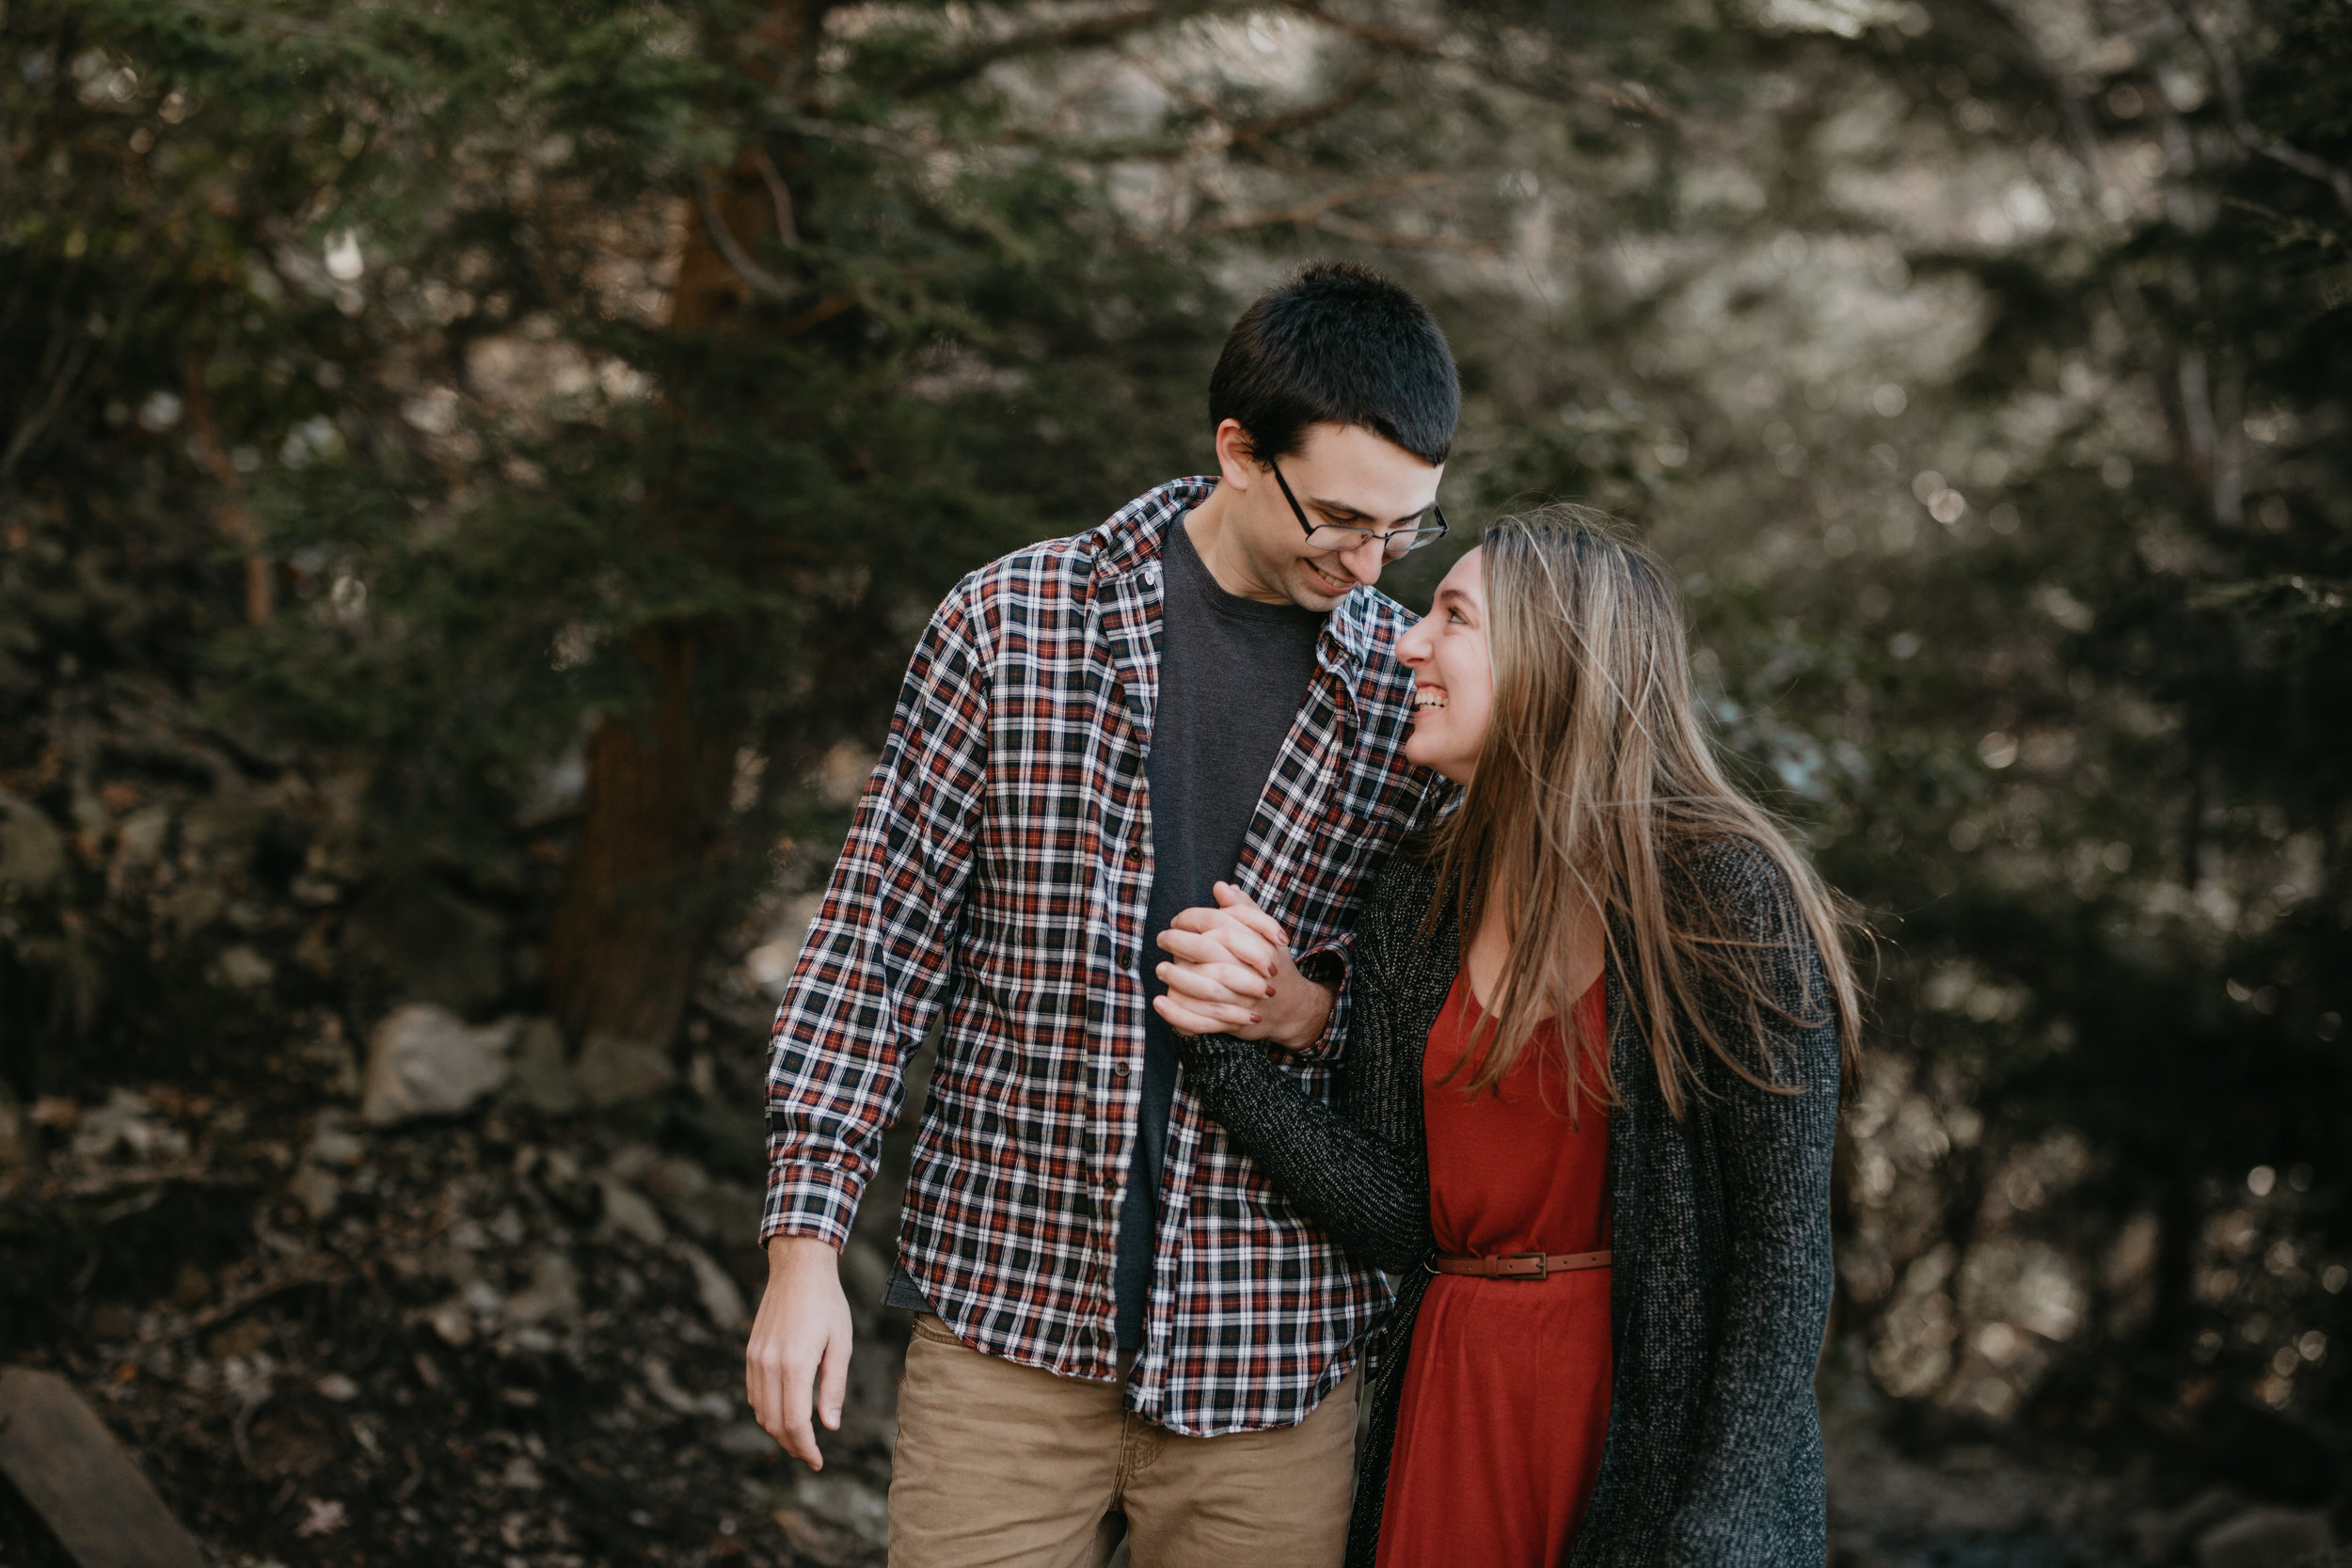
[(637, 910)]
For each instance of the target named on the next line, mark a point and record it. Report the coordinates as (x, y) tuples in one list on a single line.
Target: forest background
[(470, 477)]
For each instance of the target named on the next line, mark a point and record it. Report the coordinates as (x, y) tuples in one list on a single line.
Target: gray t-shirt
[(1233, 673)]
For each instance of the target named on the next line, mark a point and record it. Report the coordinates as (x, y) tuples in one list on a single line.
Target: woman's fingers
[(1232, 900)]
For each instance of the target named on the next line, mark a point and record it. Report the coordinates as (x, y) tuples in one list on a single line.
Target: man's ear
[(1234, 459)]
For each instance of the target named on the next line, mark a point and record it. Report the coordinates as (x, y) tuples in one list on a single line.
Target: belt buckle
[(1543, 1270)]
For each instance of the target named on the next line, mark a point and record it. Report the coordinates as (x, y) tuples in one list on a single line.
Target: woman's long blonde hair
[(1596, 788)]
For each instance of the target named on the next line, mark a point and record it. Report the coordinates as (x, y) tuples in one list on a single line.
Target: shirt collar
[(1137, 533)]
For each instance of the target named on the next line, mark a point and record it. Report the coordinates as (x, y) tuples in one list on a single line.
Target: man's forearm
[(1298, 1010)]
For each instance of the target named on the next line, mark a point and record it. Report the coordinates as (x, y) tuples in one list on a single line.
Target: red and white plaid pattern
[(998, 864)]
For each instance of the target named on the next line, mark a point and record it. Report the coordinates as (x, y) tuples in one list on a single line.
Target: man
[(1123, 1327)]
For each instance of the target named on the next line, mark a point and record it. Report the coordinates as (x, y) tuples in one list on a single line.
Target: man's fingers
[(1215, 982), (832, 1380), (1207, 929), (758, 1388), (1229, 950), (1195, 1018), (798, 1437)]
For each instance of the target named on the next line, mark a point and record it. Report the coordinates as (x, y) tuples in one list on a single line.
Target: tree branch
[(756, 278), (1396, 239), (1315, 206), (233, 521), (779, 193), (1626, 97), (1101, 28), (2224, 62), (1257, 132)]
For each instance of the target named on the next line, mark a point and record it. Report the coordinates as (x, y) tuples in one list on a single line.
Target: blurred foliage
[(1985, 370)]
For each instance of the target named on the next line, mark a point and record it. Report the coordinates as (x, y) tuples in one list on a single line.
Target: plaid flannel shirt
[(998, 865)]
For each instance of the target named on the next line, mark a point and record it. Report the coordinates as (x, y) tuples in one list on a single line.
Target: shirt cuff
[(810, 1200), (1330, 963)]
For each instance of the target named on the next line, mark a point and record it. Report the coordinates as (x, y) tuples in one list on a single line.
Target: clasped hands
[(1228, 972)]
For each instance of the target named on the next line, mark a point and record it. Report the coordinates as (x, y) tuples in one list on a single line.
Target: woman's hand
[(1229, 972)]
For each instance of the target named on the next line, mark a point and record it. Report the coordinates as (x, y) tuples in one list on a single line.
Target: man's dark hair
[(1337, 343)]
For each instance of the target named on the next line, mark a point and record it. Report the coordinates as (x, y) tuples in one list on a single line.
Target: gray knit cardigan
[(1720, 1224)]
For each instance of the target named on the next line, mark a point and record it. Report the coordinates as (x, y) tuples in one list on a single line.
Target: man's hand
[(1229, 972), (802, 1334)]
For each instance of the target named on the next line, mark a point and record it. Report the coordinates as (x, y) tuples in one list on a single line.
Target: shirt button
[(1119, 1072), (1136, 852)]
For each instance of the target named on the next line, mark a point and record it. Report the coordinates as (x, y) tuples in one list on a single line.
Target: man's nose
[(1364, 562)]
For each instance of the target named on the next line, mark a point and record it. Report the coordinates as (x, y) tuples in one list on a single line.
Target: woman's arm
[(1757, 1413), (1370, 1193), (1359, 1171)]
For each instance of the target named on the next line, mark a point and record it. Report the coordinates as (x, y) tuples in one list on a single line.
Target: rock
[(316, 1190), (336, 1386), (542, 1079), (2162, 1534), (2265, 1538), (552, 1294), (332, 1142), (243, 968), (865, 1270), (726, 1213), (746, 1440), (424, 1060), (451, 1321), (613, 1068), (847, 1503), (440, 947), (720, 1299), (630, 1212), (68, 1467), (32, 850), (16, 1147), (124, 1126)]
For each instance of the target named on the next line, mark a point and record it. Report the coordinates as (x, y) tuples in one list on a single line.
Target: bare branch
[(823, 310), (778, 193), (1252, 133), (2233, 103), (756, 278), (1315, 208), (1396, 239), (1257, 132), (233, 521), (1626, 97), (1101, 28)]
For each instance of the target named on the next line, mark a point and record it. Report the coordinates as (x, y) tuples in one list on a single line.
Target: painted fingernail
[(1255, 1019)]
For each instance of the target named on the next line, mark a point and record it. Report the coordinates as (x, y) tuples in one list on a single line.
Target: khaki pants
[(1003, 1465)]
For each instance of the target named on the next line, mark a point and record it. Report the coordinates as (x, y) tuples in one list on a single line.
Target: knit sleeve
[(1355, 1167), (1758, 1418)]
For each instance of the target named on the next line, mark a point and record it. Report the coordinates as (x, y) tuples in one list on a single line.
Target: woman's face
[(1453, 683)]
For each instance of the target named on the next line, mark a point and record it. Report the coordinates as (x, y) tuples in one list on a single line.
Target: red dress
[(1506, 1392)]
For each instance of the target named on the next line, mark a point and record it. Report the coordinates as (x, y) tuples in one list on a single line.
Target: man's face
[(1343, 475)]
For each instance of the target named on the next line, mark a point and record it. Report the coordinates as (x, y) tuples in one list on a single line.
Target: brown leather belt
[(1519, 1265)]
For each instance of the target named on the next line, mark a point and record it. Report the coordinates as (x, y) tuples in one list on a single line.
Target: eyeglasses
[(1394, 544)]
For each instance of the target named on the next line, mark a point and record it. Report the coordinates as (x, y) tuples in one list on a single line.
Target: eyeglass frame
[(1300, 513)]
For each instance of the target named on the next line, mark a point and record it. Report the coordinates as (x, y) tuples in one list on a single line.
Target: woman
[(1597, 1029)]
